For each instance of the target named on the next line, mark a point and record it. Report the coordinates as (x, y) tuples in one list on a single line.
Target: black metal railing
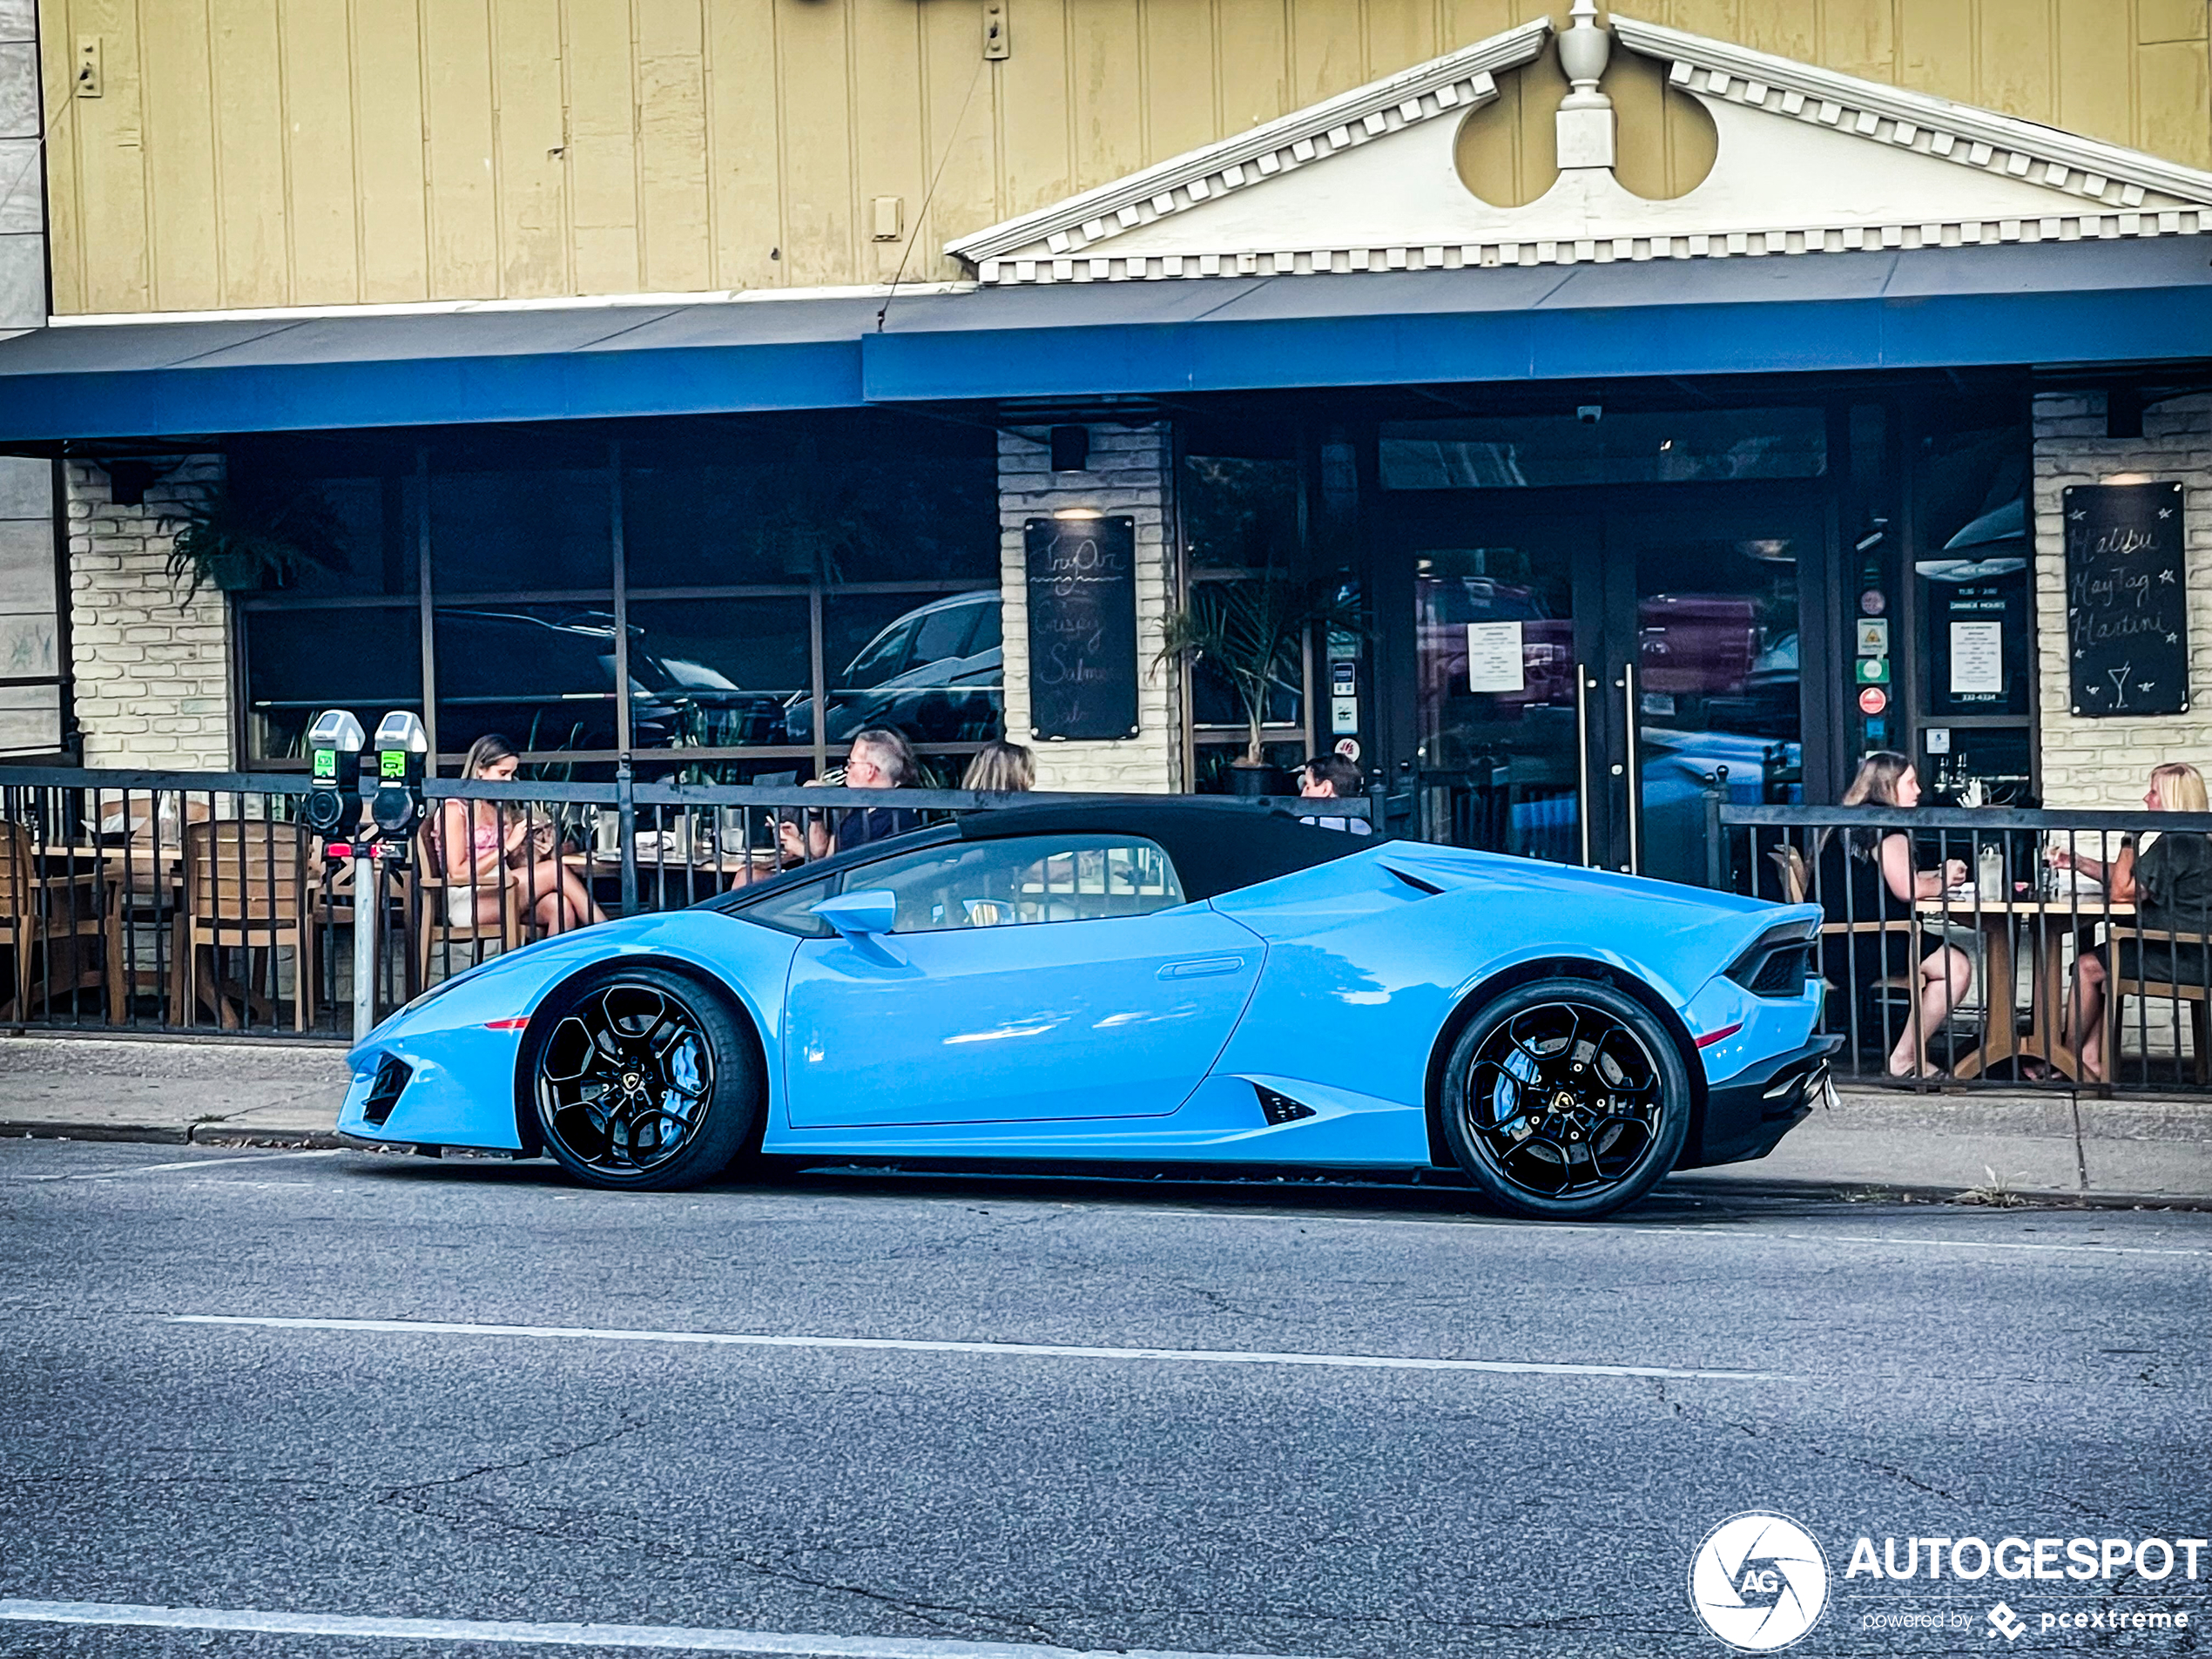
[(198, 902), (2048, 948)]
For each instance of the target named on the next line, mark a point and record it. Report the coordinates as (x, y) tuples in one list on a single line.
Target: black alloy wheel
[(1565, 1099), (641, 1080)]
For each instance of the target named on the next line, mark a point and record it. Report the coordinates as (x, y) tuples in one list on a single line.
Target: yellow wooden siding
[(269, 152)]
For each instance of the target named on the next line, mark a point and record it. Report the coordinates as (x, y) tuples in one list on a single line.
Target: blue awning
[(277, 375), (2041, 304), (2044, 304)]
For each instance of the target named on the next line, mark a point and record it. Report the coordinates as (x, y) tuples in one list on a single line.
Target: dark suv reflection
[(936, 673), (550, 684)]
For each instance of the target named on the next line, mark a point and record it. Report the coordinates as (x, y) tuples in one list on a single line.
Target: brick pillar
[(1130, 473), (152, 674), (2105, 763)]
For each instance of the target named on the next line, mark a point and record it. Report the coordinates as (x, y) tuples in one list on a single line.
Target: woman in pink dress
[(483, 848)]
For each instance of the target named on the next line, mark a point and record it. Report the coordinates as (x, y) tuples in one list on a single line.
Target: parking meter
[(396, 808), (334, 766)]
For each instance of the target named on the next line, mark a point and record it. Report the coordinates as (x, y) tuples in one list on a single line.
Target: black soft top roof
[(1216, 847)]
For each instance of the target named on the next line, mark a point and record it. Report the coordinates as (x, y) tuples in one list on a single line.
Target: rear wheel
[(641, 1080), (1565, 1099)]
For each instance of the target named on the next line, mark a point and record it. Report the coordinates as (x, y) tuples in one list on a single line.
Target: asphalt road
[(1016, 1476)]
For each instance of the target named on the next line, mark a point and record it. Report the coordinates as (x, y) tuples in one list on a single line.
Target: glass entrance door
[(1501, 734), (1703, 660), (1578, 678)]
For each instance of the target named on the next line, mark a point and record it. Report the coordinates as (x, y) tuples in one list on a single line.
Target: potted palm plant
[(239, 542), (1251, 630)]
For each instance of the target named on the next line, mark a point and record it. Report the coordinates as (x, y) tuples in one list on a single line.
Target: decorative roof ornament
[(1808, 160), (1585, 115)]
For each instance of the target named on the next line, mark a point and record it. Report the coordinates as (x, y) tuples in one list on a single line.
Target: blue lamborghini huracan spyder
[(1151, 982)]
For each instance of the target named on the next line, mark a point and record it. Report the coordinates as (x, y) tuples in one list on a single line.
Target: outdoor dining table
[(2046, 921)]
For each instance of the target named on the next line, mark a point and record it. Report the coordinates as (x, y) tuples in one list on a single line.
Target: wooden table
[(2048, 920)]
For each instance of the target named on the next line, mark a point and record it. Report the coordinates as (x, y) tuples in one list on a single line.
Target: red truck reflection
[(1445, 605)]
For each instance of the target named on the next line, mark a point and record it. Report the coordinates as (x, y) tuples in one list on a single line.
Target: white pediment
[(1808, 161)]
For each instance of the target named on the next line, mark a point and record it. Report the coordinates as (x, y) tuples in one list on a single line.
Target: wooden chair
[(248, 885), (433, 922), (2198, 997), (1795, 876), (55, 913), (146, 887)]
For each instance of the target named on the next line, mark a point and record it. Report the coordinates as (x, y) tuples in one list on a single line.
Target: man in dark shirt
[(880, 758)]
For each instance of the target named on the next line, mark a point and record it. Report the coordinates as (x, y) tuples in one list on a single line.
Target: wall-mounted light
[(2124, 412), (1071, 446), (1078, 512), (127, 480)]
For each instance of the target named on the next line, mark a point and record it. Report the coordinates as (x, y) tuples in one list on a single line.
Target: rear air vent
[(392, 1075), (1414, 881), (1281, 1108)]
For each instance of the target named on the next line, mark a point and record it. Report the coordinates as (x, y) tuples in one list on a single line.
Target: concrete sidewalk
[(2036, 1145)]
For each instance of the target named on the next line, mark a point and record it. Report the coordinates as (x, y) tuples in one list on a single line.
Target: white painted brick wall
[(1131, 473), (153, 677)]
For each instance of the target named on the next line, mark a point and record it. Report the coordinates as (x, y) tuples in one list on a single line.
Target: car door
[(1050, 976)]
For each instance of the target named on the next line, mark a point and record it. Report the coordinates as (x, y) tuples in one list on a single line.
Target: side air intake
[(392, 1075), (1281, 1108)]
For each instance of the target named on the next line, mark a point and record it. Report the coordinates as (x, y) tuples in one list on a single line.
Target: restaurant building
[(695, 384)]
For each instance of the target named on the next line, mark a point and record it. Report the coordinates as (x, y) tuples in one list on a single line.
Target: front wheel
[(642, 1081), (1565, 1099)]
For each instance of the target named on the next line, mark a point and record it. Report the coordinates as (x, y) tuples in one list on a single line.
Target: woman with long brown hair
[(1868, 875), (482, 849)]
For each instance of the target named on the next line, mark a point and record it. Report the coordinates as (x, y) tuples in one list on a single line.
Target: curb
[(1908, 1192), (215, 1134)]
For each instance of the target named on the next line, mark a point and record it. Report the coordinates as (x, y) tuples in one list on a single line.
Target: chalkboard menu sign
[(1083, 627), (2127, 599)]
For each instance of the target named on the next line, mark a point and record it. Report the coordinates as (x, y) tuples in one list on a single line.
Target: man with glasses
[(880, 758)]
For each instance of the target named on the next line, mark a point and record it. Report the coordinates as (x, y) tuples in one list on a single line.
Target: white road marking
[(189, 1164), (1017, 1350), (667, 1638)]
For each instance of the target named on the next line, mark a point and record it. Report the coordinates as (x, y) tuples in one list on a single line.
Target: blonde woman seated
[(2170, 885), (1000, 767), (484, 847), (1867, 875)]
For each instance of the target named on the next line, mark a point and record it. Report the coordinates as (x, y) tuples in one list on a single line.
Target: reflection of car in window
[(935, 673), (550, 684), (1447, 605)]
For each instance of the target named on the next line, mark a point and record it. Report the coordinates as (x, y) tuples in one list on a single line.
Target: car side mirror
[(860, 915)]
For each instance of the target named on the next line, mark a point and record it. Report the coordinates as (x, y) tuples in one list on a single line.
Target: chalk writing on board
[(2126, 599), (1082, 585)]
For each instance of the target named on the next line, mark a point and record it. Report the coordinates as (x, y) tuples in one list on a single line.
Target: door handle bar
[(1582, 683), (1635, 775)]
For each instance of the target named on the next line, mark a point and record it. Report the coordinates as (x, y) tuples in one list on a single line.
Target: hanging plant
[(240, 543)]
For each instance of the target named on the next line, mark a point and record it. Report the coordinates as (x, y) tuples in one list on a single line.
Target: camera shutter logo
[(1759, 1582)]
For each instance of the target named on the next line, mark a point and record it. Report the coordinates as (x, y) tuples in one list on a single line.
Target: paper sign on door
[(1977, 657), (1495, 662)]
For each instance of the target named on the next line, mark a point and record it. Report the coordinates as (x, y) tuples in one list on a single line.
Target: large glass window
[(1244, 524), (747, 572), (1974, 596), (1625, 446)]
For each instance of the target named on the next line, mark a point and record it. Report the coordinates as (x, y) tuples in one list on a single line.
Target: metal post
[(1715, 792), (626, 810), (368, 915)]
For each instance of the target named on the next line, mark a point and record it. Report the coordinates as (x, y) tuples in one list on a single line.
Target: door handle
[(1635, 775), (1201, 967), (1582, 683)]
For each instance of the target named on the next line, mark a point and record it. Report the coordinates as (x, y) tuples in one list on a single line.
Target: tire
[(1565, 1099), (641, 1080)]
